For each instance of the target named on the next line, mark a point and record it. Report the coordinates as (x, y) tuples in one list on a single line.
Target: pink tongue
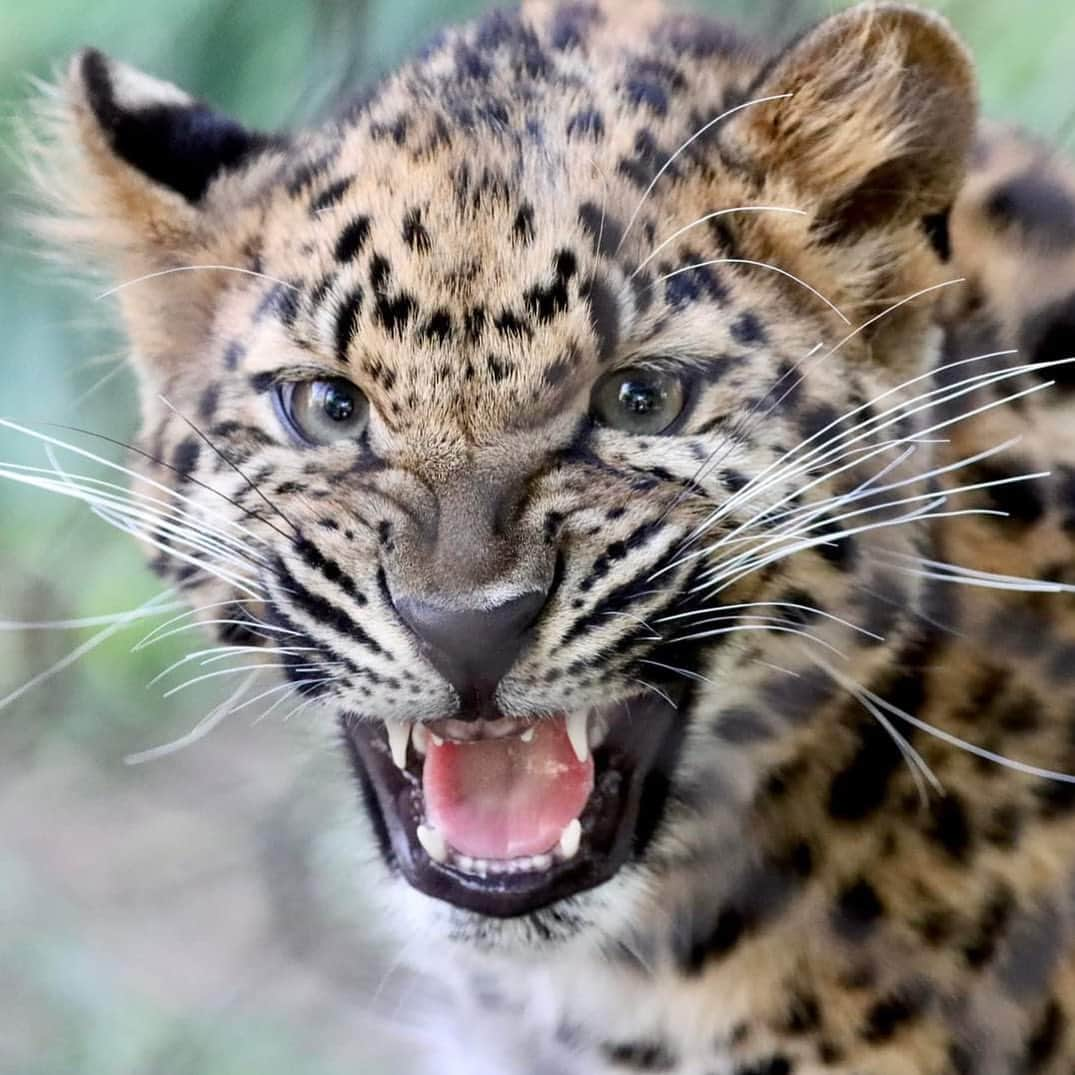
[(503, 798)]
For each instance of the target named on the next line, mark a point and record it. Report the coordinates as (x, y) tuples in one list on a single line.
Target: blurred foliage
[(271, 63)]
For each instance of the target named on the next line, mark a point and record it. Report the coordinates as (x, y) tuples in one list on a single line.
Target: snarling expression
[(516, 411)]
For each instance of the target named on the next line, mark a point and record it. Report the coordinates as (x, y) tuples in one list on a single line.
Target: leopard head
[(537, 418)]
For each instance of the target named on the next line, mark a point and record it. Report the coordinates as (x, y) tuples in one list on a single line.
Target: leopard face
[(536, 418)]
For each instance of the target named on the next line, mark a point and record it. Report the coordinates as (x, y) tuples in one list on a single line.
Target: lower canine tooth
[(576, 732), (570, 838), (399, 735), (527, 736), (433, 842)]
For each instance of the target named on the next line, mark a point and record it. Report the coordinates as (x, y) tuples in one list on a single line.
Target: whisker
[(686, 145), (130, 616), (191, 268), (955, 740), (759, 265), (200, 730), (713, 216), (86, 647), (234, 466)]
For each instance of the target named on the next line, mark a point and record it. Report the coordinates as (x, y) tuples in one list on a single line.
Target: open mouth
[(507, 816)]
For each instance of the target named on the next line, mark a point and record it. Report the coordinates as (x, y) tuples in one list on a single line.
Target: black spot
[(699, 283), (352, 239), (330, 196), (181, 146), (641, 91), (604, 231), (207, 404), (546, 302), (233, 355), (858, 910), (748, 330), (347, 322), (415, 233), (1049, 336), (1021, 500), (280, 301), (185, 456), (936, 226), (499, 368), (980, 947), (775, 1065), (439, 326), (394, 312), (572, 24), (1056, 799), (509, 324), (891, 1013), (861, 787), (741, 726), (1042, 209), (1044, 1040), (950, 827), (522, 227), (640, 1055), (474, 323), (804, 1016)]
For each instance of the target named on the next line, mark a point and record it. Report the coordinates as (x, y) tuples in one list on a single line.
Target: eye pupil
[(338, 405), (637, 397)]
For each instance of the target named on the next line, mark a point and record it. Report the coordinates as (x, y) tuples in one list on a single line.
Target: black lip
[(631, 774)]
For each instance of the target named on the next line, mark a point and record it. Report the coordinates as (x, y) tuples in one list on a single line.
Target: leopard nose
[(473, 648)]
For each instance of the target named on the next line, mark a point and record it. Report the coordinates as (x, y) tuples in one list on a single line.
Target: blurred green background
[(148, 915)]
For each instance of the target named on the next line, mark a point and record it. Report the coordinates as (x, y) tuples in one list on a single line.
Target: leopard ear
[(131, 165), (879, 122)]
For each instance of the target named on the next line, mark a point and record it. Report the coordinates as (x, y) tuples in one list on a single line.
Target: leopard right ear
[(135, 168)]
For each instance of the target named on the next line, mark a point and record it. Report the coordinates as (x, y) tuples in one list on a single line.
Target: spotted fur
[(474, 243)]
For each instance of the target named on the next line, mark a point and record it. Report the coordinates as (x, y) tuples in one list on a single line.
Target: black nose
[(472, 648)]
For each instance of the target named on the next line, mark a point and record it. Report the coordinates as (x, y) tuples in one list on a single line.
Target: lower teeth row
[(438, 850)]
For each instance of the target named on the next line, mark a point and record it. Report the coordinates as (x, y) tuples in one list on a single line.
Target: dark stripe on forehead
[(347, 322), (604, 317)]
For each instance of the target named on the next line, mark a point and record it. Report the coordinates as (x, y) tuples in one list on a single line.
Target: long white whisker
[(759, 265), (130, 616), (86, 647), (192, 268), (712, 216), (199, 731), (686, 145), (954, 740)]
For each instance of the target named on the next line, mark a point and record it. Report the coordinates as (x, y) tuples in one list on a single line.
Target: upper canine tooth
[(420, 738), (399, 735), (576, 732), (434, 844), (570, 838)]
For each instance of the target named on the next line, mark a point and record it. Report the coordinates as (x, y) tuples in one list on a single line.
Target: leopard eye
[(324, 411), (638, 400)]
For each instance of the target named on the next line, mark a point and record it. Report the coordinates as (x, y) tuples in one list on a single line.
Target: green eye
[(638, 400), (320, 412)]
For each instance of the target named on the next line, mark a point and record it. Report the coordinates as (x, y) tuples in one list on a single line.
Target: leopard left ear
[(135, 168), (879, 122)]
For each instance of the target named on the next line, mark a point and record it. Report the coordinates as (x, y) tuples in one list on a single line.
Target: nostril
[(473, 648)]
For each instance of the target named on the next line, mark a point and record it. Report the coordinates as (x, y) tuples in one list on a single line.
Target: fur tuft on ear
[(879, 123), (131, 169)]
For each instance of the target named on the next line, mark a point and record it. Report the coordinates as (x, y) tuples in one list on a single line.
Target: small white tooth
[(570, 838), (576, 732), (433, 842), (528, 735), (420, 739), (437, 741), (399, 735)]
